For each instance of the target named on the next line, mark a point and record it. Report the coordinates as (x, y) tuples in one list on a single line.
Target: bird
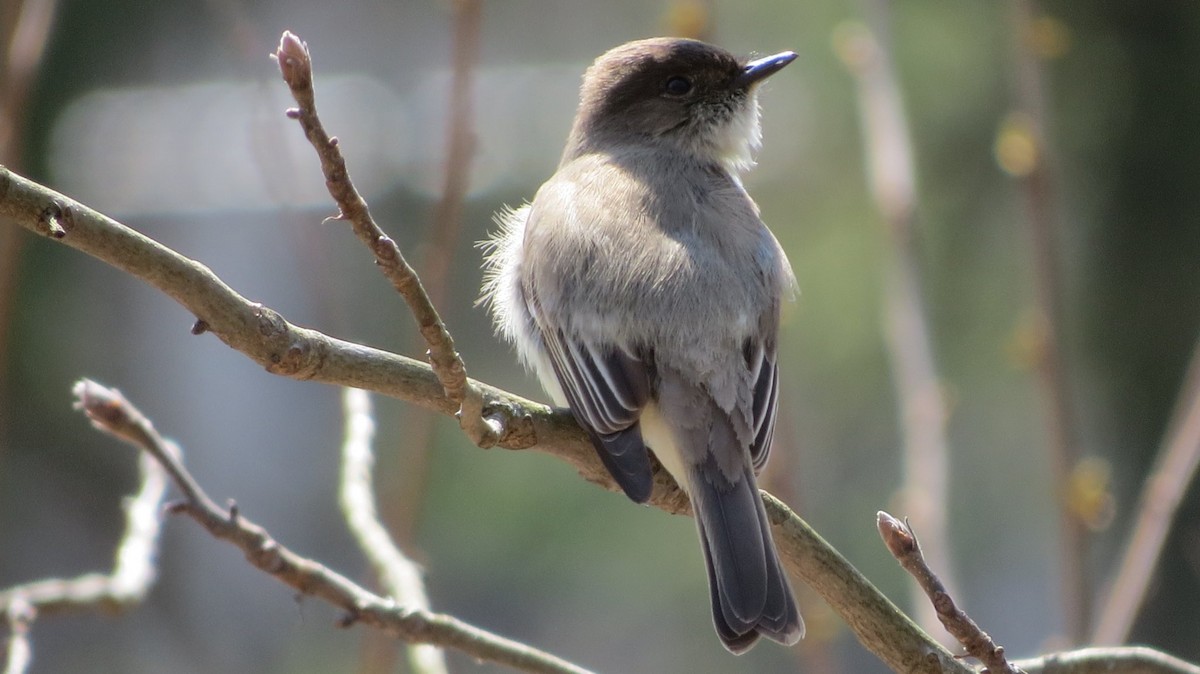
[(643, 288)]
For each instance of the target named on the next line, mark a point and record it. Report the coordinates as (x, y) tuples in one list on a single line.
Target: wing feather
[(607, 388), (764, 372)]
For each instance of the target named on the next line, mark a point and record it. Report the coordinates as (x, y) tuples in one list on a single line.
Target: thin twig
[(399, 575), (295, 64), (404, 496), (133, 571), (892, 177), (903, 544), (876, 622), (1173, 472), (1037, 186), (112, 413), (1121, 660)]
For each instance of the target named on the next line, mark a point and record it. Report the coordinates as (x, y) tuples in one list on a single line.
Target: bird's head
[(675, 93)]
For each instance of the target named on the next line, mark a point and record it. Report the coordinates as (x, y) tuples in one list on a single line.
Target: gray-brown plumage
[(644, 289)]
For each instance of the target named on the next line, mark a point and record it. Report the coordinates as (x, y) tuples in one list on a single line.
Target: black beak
[(760, 69)]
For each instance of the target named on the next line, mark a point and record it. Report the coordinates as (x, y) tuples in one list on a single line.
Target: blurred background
[(992, 209)]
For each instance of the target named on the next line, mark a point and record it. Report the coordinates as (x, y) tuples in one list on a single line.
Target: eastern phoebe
[(645, 291)]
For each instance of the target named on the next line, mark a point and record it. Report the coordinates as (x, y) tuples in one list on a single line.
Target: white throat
[(738, 140)]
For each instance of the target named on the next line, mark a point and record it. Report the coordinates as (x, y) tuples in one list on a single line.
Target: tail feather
[(736, 642), (751, 596)]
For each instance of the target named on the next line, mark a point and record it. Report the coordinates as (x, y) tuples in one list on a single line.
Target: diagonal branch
[(903, 544), (295, 64), (1174, 471), (112, 413)]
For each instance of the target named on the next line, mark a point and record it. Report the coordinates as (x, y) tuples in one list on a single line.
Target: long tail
[(750, 592)]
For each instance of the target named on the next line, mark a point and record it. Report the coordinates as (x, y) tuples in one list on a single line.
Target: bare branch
[(255, 330), (400, 576), (112, 413), (1174, 470), (903, 544), (295, 64), (1127, 660)]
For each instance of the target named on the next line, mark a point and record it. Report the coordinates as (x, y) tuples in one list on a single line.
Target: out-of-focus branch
[(404, 506), (406, 496), (18, 617), (460, 146), (1174, 470), (133, 571), (399, 575), (1126, 660), (295, 64), (891, 176), (25, 30), (1037, 186), (113, 414), (903, 544)]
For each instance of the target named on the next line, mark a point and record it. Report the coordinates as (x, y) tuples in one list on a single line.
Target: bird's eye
[(678, 86)]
